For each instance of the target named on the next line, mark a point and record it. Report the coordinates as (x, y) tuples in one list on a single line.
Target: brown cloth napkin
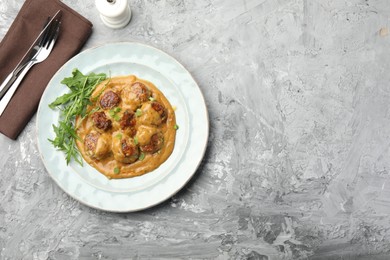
[(74, 32)]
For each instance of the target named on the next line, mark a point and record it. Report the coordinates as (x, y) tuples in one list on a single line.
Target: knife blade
[(10, 79)]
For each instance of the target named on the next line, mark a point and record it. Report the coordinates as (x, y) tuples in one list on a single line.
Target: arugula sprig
[(71, 105)]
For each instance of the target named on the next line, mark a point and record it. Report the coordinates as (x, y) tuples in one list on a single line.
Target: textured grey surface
[(297, 164)]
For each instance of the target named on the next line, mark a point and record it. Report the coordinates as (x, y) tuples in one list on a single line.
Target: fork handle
[(13, 87)]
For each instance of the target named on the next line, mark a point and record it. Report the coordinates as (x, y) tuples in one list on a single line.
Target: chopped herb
[(71, 105), (119, 136), (176, 127), (152, 99), (117, 118), (141, 156), (116, 170), (138, 112), (114, 113), (135, 140)]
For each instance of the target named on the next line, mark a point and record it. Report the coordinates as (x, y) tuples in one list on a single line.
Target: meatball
[(159, 108), (155, 144), (128, 120), (152, 113), (96, 145), (141, 91), (149, 138), (124, 148), (134, 95), (109, 100), (100, 121)]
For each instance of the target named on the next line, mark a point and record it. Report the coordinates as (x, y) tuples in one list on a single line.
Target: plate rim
[(204, 146)]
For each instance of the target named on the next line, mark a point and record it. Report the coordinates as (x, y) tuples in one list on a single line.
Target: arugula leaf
[(71, 105)]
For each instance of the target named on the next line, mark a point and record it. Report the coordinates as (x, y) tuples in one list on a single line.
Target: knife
[(10, 79)]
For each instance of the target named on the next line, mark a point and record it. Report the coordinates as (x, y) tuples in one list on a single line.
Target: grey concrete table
[(298, 159)]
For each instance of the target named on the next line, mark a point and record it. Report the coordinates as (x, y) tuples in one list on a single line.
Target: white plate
[(86, 184)]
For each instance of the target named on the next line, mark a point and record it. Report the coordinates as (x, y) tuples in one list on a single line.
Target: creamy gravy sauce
[(146, 161)]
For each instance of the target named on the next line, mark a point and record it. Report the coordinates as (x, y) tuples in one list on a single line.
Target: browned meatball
[(90, 141), (134, 95), (141, 91), (155, 144), (128, 120), (152, 113), (129, 149), (109, 100), (101, 121), (159, 108), (124, 148), (97, 145)]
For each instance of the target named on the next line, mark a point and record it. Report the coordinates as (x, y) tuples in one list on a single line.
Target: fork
[(10, 79), (44, 48)]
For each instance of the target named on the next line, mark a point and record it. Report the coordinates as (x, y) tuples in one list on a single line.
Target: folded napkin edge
[(82, 18), (22, 105)]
